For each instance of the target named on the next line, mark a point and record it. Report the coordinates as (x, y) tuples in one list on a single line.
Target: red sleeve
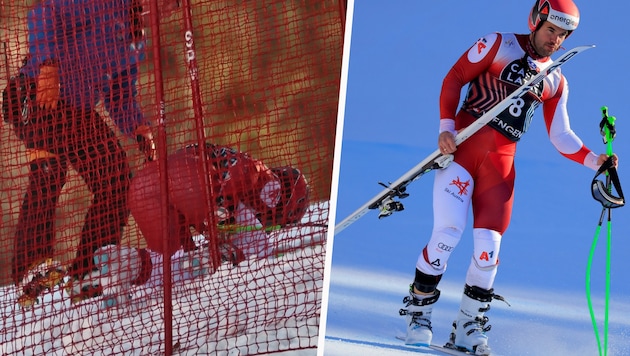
[(558, 127), (579, 156), (465, 70), (551, 105)]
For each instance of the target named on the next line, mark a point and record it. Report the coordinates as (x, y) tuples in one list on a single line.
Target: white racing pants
[(452, 192)]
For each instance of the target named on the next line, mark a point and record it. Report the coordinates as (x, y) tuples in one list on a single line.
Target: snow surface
[(234, 313), (399, 55)]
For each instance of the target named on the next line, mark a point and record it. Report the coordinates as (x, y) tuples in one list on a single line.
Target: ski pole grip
[(607, 127)]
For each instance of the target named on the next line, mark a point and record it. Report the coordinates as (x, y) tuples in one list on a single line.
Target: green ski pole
[(603, 193)]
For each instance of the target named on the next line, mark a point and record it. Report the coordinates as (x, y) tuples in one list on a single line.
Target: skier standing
[(482, 173), (80, 53)]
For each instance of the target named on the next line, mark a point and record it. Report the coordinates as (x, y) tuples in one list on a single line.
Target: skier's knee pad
[(436, 253), (486, 248), (485, 259)]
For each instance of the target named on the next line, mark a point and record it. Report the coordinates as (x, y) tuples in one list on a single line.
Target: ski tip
[(580, 48)]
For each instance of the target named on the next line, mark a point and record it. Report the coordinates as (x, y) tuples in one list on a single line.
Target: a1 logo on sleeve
[(479, 50)]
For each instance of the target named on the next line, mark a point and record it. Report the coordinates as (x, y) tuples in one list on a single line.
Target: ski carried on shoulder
[(387, 200)]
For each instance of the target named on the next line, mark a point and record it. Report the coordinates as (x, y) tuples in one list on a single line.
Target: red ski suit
[(495, 66), (482, 173)]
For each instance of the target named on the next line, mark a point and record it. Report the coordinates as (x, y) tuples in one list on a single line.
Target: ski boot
[(228, 251), (115, 268), (87, 287), (469, 330), (191, 264), (118, 267), (418, 316), (42, 277), (231, 253)]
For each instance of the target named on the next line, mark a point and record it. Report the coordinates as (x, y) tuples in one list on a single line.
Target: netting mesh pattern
[(166, 170)]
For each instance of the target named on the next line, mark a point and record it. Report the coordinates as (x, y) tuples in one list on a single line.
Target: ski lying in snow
[(451, 350), (443, 350), (386, 346), (448, 348), (386, 201)]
